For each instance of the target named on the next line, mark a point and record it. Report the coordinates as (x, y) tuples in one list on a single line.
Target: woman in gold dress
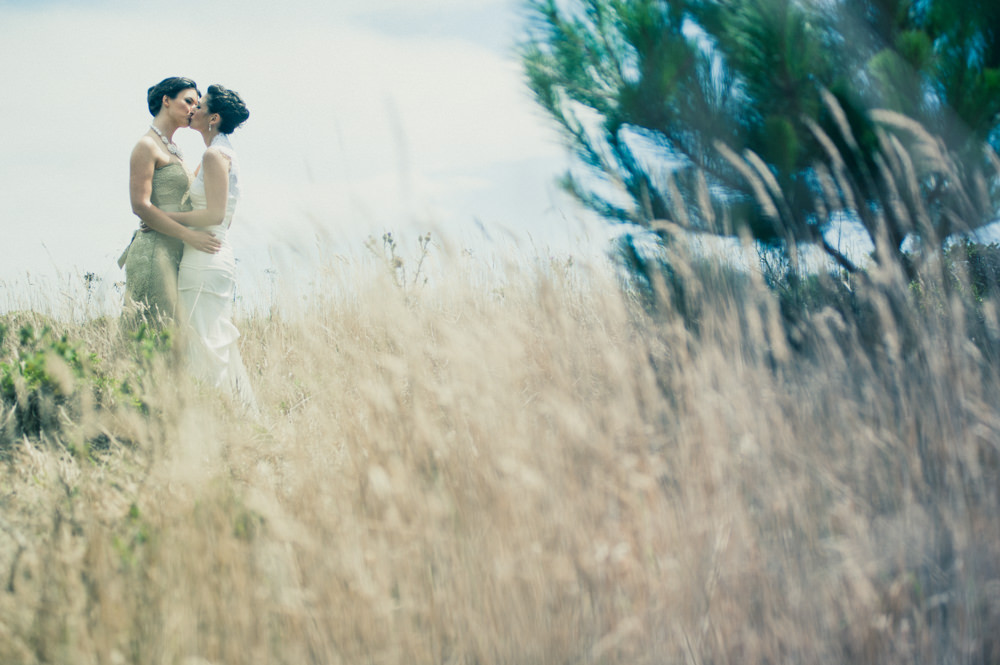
[(159, 183)]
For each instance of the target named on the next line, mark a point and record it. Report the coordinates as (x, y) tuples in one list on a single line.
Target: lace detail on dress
[(152, 258), (171, 188)]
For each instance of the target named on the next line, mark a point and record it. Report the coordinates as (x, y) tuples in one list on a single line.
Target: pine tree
[(776, 117)]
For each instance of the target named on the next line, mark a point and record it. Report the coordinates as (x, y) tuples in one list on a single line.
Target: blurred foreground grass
[(526, 470)]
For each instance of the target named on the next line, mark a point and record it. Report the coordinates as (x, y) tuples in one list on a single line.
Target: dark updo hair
[(230, 107), (171, 87)]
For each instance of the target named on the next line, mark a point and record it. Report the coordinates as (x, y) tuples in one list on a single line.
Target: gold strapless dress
[(152, 258)]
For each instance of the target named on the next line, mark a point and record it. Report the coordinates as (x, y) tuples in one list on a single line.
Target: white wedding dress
[(206, 284)]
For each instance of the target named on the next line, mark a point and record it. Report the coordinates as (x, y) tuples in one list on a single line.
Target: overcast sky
[(366, 116)]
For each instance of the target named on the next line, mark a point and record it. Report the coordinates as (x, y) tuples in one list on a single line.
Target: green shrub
[(48, 380), (40, 376), (974, 267)]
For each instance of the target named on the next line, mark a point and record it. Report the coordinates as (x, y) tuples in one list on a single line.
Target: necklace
[(171, 146)]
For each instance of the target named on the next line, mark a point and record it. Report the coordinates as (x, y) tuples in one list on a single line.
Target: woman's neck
[(166, 126), (208, 136)]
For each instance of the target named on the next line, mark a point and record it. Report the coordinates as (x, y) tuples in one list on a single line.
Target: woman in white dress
[(206, 282)]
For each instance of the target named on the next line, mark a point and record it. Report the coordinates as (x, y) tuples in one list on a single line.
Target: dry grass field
[(526, 469)]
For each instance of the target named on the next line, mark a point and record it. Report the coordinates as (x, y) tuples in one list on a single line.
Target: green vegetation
[(51, 379), (42, 375), (777, 118)]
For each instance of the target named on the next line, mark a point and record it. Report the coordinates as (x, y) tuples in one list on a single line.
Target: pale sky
[(366, 116)]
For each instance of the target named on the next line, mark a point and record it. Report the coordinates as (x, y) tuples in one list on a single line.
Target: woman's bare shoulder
[(213, 158), (145, 147), (216, 154)]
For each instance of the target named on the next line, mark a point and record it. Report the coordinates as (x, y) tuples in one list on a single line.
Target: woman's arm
[(141, 167), (215, 172)]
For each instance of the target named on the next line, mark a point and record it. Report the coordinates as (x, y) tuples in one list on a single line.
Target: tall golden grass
[(527, 469)]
